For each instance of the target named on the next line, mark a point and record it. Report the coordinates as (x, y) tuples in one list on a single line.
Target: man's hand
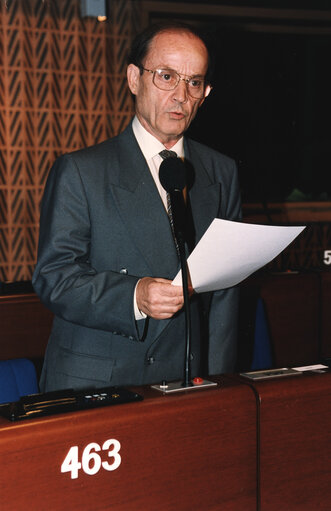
[(158, 298)]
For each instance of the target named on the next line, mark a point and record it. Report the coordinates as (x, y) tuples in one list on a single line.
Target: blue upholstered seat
[(17, 378), (262, 353)]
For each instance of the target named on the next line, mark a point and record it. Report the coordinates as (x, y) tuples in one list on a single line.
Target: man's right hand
[(158, 298)]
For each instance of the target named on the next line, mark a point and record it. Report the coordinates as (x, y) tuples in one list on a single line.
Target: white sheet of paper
[(315, 367), (230, 251)]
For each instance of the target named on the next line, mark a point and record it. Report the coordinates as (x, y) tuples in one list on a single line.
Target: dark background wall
[(270, 110)]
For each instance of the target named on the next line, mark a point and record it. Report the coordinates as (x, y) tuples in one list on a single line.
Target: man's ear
[(207, 92), (133, 75)]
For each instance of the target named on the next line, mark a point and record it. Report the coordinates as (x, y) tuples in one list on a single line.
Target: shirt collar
[(151, 146)]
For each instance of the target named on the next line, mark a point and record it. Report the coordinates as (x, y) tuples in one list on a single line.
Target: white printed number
[(327, 257), (91, 461)]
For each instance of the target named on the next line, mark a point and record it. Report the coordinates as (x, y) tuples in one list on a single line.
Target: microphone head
[(172, 174)]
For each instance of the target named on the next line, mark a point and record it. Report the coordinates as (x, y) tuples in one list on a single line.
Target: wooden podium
[(243, 445), (295, 443), (191, 450)]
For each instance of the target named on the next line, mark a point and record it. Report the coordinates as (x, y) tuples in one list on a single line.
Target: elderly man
[(106, 252)]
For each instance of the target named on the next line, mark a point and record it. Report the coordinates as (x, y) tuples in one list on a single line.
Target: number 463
[(91, 461)]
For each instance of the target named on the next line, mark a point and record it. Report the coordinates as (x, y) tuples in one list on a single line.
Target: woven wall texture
[(62, 87)]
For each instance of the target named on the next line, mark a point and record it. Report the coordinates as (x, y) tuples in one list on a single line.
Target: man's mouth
[(176, 115)]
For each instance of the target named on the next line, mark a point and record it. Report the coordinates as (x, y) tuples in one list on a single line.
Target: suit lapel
[(142, 210), (204, 193)]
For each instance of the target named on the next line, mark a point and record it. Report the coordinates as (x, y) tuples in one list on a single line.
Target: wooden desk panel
[(292, 305), (325, 315), (292, 308), (184, 451), (25, 326), (295, 443)]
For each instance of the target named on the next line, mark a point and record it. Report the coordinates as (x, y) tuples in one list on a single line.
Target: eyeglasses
[(168, 79)]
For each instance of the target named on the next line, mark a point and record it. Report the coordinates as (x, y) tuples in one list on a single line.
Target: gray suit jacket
[(103, 226)]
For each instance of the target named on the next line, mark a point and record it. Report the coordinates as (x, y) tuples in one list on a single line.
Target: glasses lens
[(196, 87), (168, 79), (165, 79)]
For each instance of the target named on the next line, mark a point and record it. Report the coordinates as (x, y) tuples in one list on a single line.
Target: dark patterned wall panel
[(62, 87), (306, 253)]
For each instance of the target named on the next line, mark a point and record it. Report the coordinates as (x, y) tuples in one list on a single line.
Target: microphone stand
[(187, 311), (174, 185), (178, 208)]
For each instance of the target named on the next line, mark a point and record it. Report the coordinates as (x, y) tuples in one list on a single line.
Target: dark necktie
[(170, 154)]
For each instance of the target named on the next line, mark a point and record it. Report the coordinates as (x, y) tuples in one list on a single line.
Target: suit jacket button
[(123, 271), (150, 360)]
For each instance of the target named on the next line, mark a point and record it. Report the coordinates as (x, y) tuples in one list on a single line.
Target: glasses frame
[(186, 80)]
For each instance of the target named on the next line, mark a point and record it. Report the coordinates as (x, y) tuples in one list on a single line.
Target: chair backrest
[(18, 378)]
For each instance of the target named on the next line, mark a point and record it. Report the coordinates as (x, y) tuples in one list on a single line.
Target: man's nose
[(180, 92)]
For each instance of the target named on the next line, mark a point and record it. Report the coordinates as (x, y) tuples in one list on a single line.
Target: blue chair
[(262, 352), (18, 378)]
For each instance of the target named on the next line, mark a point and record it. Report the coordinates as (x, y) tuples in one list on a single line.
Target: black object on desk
[(49, 403)]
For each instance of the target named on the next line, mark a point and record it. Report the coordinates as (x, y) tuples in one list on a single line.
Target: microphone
[(172, 175)]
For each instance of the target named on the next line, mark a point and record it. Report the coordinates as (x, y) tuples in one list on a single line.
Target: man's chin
[(175, 127)]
